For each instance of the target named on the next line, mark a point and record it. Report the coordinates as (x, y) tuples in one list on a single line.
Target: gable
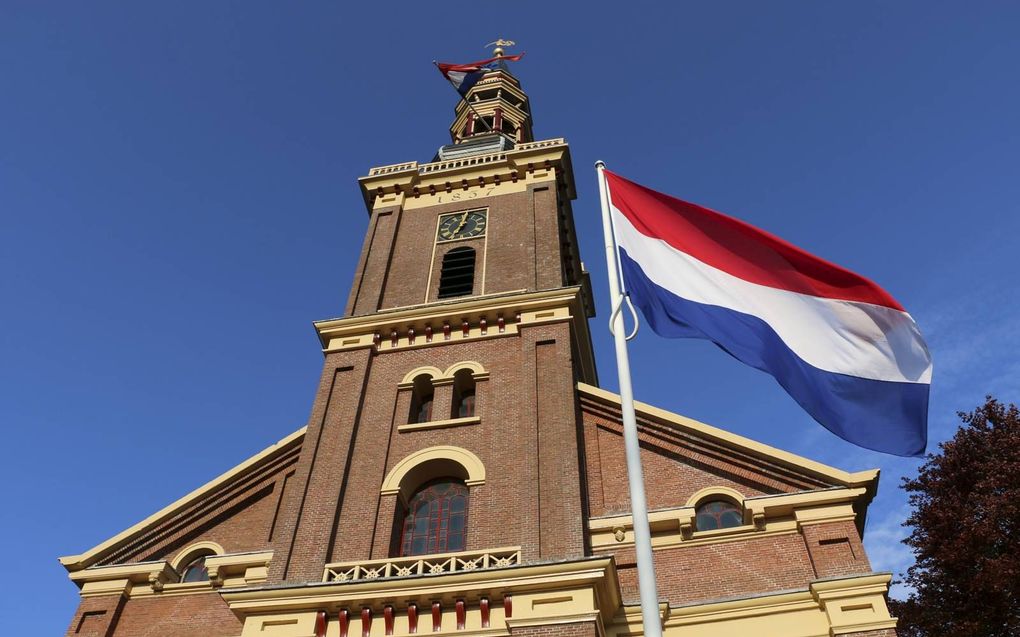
[(682, 457), (235, 510)]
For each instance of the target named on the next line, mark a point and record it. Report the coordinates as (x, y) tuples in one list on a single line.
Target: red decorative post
[(508, 605), (461, 614), (412, 618), (428, 333), (501, 323), (484, 324), (366, 621), (393, 338), (437, 616), (483, 603), (410, 336), (446, 331), (344, 617), (320, 624), (376, 340), (465, 328), (388, 618)]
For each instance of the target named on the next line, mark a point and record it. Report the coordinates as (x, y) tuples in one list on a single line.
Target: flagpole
[(638, 503)]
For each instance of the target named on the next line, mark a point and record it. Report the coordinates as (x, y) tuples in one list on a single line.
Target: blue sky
[(178, 201)]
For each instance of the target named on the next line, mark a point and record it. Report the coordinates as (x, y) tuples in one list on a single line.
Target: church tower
[(462, 473), (466, 327)]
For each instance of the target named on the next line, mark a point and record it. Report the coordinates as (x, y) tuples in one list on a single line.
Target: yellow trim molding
[(866, 479), (413, 185), (184, 557), (84, 560), (581, 590), (425, 370), (440, 424), (477, 372), (723, 493), (764, 515), (400, 477), (143, 579)]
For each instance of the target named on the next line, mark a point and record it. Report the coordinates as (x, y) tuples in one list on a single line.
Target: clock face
[(462, 225)]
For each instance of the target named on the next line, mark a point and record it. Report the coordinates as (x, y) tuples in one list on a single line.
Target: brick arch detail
[(427, 370), (433, 462), (191, 550), (724, 493)]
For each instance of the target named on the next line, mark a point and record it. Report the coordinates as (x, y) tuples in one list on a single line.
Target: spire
[(494, 114)]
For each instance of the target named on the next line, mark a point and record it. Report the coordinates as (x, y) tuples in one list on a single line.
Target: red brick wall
[(309, 512), (701, 573), (523, 250), (96, 616), (676, 465), (575, 629), (836, 549), (202, 615)]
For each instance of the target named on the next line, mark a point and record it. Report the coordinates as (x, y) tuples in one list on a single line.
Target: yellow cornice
[(143, 579), (764, 516), (597, 573), (868, 479), (526, 160), (518, 310), (83, 560)]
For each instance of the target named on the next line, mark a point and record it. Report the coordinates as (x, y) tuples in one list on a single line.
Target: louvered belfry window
[(458, 274), (436, 519)]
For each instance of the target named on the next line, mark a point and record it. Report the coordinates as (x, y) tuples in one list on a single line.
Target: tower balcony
[(436, 564)]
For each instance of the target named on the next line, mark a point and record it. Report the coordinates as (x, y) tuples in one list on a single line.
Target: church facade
[(462, 473)]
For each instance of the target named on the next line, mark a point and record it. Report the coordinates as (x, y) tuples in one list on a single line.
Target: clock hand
[(462, 222)]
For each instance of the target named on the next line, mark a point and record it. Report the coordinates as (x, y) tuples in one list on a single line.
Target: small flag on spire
[(464, 76)]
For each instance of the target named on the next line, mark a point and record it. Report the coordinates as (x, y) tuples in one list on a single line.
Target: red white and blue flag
[(841, 346), (464, 76)]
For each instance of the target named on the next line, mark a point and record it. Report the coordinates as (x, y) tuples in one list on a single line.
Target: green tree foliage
[(966, 532)]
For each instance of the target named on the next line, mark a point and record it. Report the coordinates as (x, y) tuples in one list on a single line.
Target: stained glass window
[(424, 410), (196, 571), (467, 405), (436, 519), (718, 514)]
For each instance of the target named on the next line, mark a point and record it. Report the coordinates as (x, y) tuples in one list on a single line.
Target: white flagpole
[(638, 503)]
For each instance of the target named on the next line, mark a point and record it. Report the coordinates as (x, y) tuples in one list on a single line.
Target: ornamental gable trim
[(252, 483), (707, 458)]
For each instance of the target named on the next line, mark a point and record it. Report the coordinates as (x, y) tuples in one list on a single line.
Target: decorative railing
[(461, 163), (392, 168), (544, 143), (436, 564)]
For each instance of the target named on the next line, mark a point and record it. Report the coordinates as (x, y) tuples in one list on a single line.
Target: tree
[(966, 532)]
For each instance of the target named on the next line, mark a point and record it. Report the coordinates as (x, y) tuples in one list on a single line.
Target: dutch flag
[(465, 76), (841, 346)]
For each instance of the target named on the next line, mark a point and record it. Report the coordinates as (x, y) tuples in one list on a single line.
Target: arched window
[(436, 519), (718, 514), (457, 277), (421, 400), (463, 394), (196, 570)]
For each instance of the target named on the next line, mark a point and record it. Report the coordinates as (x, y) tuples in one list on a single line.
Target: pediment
[(683, 458), (245, 495)]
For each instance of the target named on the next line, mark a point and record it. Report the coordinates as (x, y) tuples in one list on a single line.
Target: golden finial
[(499, 44)]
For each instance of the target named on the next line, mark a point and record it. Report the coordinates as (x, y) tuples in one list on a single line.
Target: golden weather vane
[(499, 44)]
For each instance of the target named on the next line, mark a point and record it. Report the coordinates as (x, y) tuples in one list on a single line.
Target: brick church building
[(462, 473)]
